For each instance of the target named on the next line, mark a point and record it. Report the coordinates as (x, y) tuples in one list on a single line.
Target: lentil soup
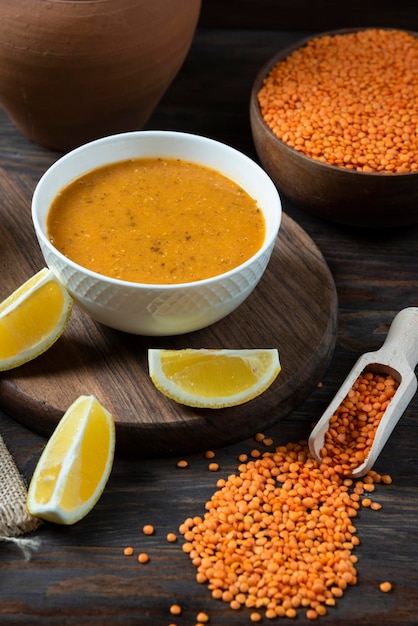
[(156, 221)]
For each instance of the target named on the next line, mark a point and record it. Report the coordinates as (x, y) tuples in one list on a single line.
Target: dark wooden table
[(79, 575)]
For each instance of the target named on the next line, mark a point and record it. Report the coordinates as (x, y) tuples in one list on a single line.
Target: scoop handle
[(401, 342)]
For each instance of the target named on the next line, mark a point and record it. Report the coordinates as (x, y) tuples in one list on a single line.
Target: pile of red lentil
[(349, 100), (279, 536)]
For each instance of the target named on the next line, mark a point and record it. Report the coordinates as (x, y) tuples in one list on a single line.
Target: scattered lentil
[(143, 557), (209, 454), (128, 551), (175, 609), (182, 463), (385, 587), (202, 617), (353, 426), (349, 100), (171, 537), (213, 467), (375, 506), (148, 529)]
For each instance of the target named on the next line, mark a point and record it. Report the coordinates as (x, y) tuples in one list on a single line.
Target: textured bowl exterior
[(340, 195), (158, 309)]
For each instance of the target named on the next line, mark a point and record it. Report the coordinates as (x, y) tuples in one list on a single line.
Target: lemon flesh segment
[(213, 378), (75, 465), (32, 318)]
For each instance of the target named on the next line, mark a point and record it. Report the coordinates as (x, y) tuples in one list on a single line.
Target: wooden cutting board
[(293, 308)]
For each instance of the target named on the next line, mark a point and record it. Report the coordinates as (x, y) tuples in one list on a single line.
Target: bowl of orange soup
[(157, 232)]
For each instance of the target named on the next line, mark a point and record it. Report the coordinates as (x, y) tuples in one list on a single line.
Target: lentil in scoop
[(353, 426), (349, 100)]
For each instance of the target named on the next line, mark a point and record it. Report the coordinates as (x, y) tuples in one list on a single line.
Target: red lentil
[(209, 454), (385, 587), (349, 100), (202, 617), (278, 535), (353, 426), (128, 551), (213, 467), (171, 537), (148, 529), (368, 487), (311, 614), (182, 463), (375, 506), (143, 557), (175, 609)]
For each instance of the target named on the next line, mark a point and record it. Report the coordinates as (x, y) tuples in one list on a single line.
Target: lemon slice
[(75, 465), (213, 378), (32, 318)]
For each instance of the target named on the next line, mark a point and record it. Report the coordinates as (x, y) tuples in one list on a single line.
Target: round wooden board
[(293, 308)]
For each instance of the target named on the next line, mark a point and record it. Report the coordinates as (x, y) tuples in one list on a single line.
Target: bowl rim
[(269, 238), (280, 55)]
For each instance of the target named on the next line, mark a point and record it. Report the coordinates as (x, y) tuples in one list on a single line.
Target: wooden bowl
[(341, 195)]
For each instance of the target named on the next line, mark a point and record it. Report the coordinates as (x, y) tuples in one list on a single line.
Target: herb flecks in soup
[(156, 221)]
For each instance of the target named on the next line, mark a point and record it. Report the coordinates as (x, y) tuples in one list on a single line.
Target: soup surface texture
[(156, 221)]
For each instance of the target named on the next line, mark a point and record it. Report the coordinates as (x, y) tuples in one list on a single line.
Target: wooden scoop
[(398, 357)]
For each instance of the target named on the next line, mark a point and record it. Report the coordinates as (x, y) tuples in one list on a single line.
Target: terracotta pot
[(75, 70)]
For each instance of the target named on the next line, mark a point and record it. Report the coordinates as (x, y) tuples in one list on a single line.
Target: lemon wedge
[(75, 465), (213, 378), (32, 318)]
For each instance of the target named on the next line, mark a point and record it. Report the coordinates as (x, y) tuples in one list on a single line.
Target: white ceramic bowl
[(158, 309)]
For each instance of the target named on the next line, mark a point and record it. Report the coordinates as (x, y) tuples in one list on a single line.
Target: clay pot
[(75, 70)]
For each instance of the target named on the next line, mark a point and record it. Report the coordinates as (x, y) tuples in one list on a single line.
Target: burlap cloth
[(15, 519)]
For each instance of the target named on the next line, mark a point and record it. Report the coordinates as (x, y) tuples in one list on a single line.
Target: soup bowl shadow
[(158, 309)]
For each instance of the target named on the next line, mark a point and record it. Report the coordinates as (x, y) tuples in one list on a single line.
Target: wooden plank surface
[(79, 575)]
